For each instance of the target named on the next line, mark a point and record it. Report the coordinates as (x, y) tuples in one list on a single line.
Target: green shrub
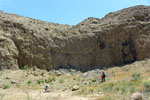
[(107, 88), (61, 81), (27, 73), (90, 83), (82, 91), (117, 88), (79, 78), (29, 82), (47, 81), (129, 84), (111, 84), (91, 90), (57, 29), (28, 96), (94, 80), (136, 76), (147, 86), (6, 86), (123, 88), (25, 67), (1, 73), (108, 98), (40, 81), (2, 96), (132, 89), (50, 79)]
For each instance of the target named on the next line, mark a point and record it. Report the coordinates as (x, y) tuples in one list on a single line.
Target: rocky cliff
[(119, 38)]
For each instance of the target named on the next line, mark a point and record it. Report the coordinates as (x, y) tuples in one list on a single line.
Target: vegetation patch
[(136, 76), (50, 79), (1, 96), (61, 81), (147, 86), (6, 86), (40, 81), (29, 82), (1, 73)]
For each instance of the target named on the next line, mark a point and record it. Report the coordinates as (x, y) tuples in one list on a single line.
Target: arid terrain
[(70, 59), (28, 84), (119, 38)]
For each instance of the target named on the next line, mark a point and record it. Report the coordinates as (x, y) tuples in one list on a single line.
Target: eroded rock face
[(8, 52), (119, 38)]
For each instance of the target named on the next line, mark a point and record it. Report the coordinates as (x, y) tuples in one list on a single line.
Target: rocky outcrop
[(119, 38)]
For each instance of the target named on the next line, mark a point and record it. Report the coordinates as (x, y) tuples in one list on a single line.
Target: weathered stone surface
[(119, 38), (75, 88), (137, 96), (8, 52)]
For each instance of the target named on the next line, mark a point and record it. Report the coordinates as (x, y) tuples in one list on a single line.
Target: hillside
[(119, 38), (121, 84)]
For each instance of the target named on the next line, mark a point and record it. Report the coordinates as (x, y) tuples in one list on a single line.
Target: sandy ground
[(21, 90), (20, 94), (25, 93)]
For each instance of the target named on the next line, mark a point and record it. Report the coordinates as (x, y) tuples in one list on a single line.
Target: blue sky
[(66, 11)]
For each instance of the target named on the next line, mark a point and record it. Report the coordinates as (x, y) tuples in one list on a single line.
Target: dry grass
[(126, 81), (121, 83)]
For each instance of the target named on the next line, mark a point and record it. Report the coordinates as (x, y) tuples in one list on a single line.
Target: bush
[(2, 96), (79, 78), (29, 82), (147, 86), (94, 80), (136, 76), (129, 84), (40, 81), (1, 73), (6, 86), (57, 29), (117, 88), (82, 91), (123, 88), (25, 67), (50, 79), (61, 81), (111, 84), (91, 90), (132, 89), (108, 87)]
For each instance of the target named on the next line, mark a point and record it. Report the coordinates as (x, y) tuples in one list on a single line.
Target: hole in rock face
[(128, 51), (101, 44)]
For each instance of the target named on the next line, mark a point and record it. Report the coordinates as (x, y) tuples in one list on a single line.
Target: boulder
[(13, 82), (137, 96), (75, 88)]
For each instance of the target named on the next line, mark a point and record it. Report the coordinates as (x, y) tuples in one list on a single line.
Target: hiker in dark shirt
[(103, 76), (46, 89)]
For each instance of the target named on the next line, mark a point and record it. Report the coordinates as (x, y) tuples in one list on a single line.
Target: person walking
[(103, 75)]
